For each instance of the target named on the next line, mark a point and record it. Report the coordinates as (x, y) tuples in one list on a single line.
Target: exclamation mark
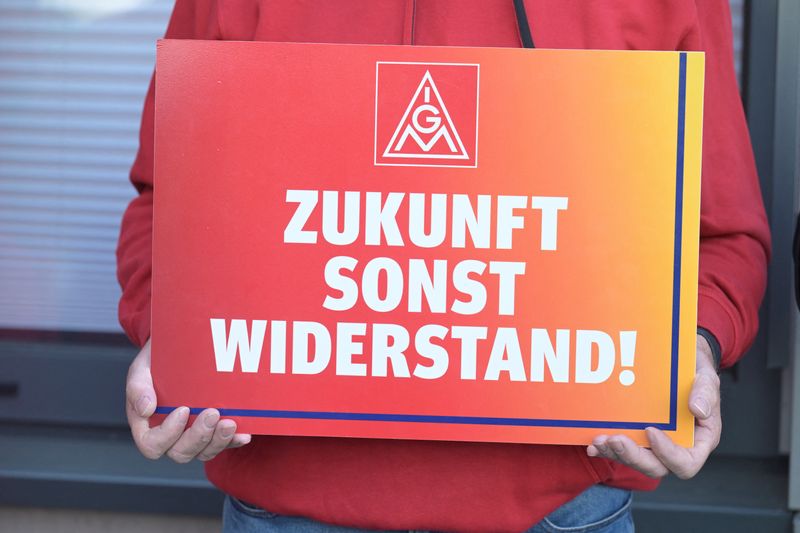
[(627, 353)]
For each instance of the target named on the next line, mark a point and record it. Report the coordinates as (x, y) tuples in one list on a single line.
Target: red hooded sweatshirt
[(478, 487)]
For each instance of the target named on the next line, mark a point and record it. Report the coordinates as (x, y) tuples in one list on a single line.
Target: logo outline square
[(477, 66)]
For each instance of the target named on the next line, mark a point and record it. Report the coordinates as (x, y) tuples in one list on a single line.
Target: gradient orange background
[(239, 123)]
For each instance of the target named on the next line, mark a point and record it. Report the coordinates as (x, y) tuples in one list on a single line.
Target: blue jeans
[(599, 509)]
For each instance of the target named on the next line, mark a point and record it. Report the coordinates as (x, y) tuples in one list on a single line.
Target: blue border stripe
[(537, 422), (435, 419), (676, 269)]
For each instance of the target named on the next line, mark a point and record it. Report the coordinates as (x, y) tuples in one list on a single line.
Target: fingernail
[(702, 406), (183, 414), (591, 451), (142, 404), (210, 420), (227, 432)]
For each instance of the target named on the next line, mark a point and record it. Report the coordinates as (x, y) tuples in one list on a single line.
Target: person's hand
[(206, 437), (664, 456)]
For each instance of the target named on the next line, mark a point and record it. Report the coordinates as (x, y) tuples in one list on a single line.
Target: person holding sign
[(336, 484)]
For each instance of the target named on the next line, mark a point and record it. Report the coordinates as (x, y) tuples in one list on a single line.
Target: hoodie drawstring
[(523, 25)]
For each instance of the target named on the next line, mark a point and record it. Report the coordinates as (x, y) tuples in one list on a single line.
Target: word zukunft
[(447, 215), (430, 352)]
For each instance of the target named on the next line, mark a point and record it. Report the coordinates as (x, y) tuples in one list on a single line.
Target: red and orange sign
[(427, 243)]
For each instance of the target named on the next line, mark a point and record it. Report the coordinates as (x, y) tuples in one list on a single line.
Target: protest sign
[(427, 243)]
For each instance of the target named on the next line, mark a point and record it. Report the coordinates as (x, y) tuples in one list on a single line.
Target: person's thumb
[(140, 393)]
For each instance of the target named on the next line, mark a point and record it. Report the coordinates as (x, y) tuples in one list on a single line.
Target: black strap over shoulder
[(523, 25)]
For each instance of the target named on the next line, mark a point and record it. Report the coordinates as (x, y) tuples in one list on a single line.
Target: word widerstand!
[(452, 289)]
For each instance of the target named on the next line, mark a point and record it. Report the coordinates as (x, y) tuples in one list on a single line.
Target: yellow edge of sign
[(695, 69)]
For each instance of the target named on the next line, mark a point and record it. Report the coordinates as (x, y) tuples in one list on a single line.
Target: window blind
[(73, 74)]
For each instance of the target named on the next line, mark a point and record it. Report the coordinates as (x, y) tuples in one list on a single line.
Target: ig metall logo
[(426, 114)]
